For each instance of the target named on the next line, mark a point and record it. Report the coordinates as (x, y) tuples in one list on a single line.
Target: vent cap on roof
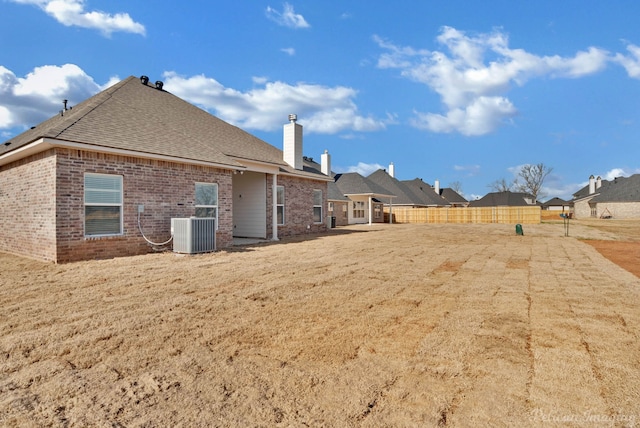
[(144, 80), (159, 84)]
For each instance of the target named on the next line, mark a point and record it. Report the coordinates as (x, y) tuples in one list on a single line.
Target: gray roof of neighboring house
[(620, 189), (452, 196), (334, 193), (352, 183), (404, 194), (420, 187), (137, 117), (499, 199), (554, 202)]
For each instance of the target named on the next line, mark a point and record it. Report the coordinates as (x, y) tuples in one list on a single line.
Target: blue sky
[(452, 90)]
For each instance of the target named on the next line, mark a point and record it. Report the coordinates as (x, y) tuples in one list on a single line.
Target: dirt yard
[(385, 325)]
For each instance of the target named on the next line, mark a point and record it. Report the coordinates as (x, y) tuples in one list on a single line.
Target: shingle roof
[(499, 199), (555, 202), (334, 193), (352, 183), (421, 188), (452, 196), (137, 117), (405, 195), (620, 189)]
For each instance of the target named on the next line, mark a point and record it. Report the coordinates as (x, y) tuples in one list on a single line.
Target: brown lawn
[(386, 325)]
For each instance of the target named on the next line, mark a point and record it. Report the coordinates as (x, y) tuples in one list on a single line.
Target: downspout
[(274, 208), (370, 209)]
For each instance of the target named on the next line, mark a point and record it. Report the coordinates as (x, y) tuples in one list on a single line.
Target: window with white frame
[(358, 209), (330, 204), (207, 200), (317, 206), (102, 204), (280, 204), (377, 209)]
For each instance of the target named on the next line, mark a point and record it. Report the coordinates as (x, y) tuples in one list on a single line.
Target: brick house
[(618, 198), (365, 198), (104, 178)]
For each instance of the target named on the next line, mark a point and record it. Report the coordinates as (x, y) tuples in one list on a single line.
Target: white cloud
[(289, 51), (471, 170), (619, 172), (287, 18), (26, 101), (631, 62), (473, 73), (73, 13), (362, 168), (320, 109)]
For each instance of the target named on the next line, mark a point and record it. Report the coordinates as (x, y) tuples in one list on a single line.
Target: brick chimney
[(292, 142)]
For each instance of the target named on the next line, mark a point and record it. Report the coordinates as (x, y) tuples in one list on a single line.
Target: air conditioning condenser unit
[(193, 235)]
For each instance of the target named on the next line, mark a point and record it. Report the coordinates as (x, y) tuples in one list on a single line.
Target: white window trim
[(317, 205), (216, 206), (90, 204), (284, 211)]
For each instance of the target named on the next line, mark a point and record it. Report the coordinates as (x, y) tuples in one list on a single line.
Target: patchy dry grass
[(389, 325)]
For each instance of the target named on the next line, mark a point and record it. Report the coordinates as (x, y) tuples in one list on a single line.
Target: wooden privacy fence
[(504, 215)]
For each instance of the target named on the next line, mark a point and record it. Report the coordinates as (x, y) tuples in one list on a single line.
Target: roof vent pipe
[(159, 85), (144, 80), (65, 104)]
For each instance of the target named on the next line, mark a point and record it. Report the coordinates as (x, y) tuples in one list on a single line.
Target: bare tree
[(501, 185), (531, 178), (456, 186)]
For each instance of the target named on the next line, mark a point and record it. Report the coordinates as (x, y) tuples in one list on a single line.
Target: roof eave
[(43, 144)]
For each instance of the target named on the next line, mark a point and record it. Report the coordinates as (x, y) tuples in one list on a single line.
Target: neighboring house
[(366, 198), (337, 203), (504, 199), (105, 177), (432, 193), (556, 204), (450, 195), (408, 194), (618, 198)]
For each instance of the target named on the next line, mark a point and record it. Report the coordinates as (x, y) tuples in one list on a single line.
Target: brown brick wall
[(341, 215), (166, 190), (48, 188), (27, 207), (298, 206)]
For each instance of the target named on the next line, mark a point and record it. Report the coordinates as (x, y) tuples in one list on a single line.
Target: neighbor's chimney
[(392, 170), (592, 185), (325, 163), (598, 182), (293, 142), (436, 186)]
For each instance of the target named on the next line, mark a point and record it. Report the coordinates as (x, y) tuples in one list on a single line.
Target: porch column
[(370, 209), (274, 208)]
